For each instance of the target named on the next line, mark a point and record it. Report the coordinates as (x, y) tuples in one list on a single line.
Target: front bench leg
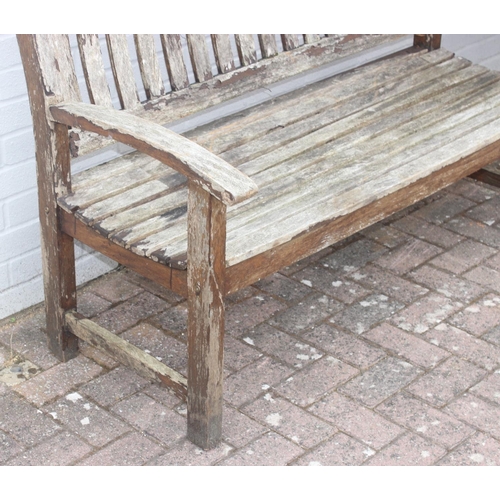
[(205, 275)]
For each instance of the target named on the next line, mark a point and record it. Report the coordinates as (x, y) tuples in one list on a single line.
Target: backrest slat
[(223, 53), (268, 45), (122, 70), (172, 50), (311, 38), (200, 61), (246, 49), (148, 65), (93, 69), (57, 67), (290, 41)]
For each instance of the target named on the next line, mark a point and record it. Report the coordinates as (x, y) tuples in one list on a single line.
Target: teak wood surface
[(213, 211)]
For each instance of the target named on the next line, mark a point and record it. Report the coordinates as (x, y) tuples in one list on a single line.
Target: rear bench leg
[(206, 265)]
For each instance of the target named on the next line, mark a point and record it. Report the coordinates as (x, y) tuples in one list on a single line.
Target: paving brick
[(487, 235), (480, 317), (388, 283), (380, 381), (270, 449), (341, 289), (151, 286), (131, 450), (90, 304), (481, 414), (344, 346), (165, 348), (409, 449), (479, 449), (249, 313), (246, 384), (283, 287), (474, 190), (465, 346), (315, 380), (433, 424), (408, 256), (162, 394), (425, 313), (486, 212), (115, 287), (187, 454), (127, 314), (387, 236), (431, 233), (238, 429), (353, 256), (463, 256), (58, 380), (444, 208), (26, 424), (8, 447), (493, 335), (447, 381), (238, 354), (312, 259), (489, 388), (447, 284), (406, 346), (288, 420), (28, 338), (485, 276), (306, 313), (152, 417), (356, 420), (111, 387), (286, 348), (338, 450), (62, 449), (494, 262), (174, 320), (362, 316), (86, 419)]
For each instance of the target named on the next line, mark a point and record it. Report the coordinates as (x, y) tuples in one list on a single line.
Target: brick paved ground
[(382, 350)]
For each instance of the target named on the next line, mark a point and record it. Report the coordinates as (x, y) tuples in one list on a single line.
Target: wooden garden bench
[(228, 203)]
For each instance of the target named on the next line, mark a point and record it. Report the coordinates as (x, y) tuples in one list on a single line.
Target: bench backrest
[(172, 82)]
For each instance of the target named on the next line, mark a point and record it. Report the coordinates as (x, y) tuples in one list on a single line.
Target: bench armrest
[(198, 164)]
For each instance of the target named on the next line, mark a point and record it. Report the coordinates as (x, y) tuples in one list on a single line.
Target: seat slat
[(93, 70), (148, 65), (122, 70), (176, 67)]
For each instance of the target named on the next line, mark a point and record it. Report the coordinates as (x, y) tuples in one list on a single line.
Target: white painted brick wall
[(20, 264)]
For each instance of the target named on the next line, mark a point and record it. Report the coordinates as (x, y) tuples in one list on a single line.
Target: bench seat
[(317, 153)]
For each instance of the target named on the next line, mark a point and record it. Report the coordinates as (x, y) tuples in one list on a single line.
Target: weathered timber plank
[(93, 70), (206, 254), (196, 98), (311, 38), (255, 122), (223, 53), (176, 68), (126, 353), (249, 271), (183, 155), (200, 60), (290, 42), (148, 65), (122, 71), (268, 45), (173, 279), (54, 179), (246, 49)]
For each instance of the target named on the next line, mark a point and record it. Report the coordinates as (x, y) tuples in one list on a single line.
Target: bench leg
[(206, 264)]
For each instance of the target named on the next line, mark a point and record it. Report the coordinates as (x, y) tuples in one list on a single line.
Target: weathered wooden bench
[(234, 200)]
